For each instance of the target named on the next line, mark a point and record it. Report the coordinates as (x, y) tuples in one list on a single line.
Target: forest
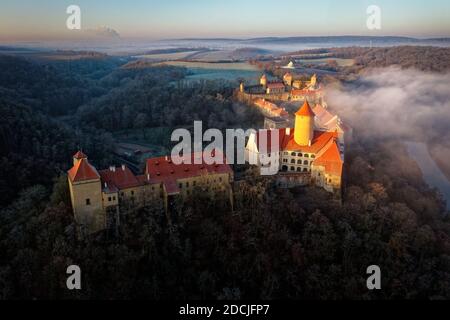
[(275, 244)]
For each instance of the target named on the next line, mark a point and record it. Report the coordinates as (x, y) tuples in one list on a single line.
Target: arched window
[(300, 155), (299, 169), (305, 170), (306, 155), (284, 168), (299, 161), (293, 154), (292, 169), (293, 161), (305, 162), (313, 156)]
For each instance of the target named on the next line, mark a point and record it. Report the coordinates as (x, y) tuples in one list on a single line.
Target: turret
[(78, 156), (304, 125), (313, 80), (287, 78), (263, 81)]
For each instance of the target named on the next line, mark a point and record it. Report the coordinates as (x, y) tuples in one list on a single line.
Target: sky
[(28, 20)]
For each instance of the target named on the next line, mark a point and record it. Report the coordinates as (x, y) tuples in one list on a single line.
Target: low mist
[(391, 102)]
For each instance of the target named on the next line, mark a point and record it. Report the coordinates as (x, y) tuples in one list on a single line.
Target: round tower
[(263, 81), (313, 80), (304, 125)]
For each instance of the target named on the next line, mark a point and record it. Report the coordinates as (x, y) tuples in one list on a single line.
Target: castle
[(306, 154), (287, 89), (97, 195)]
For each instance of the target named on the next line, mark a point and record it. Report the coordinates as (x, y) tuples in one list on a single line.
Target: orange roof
[(305, 110), (287, 142), (321, 138), (330, 159), (304, 92), (83, 171), (79, 155)]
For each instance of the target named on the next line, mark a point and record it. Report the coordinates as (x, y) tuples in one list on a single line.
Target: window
[(305, 170), (299, 161), (114, 198), (299, 169), (285, 160), (109, 199), (220, 179), (180, 185), (187, 184), (300, 155), (293, 161), (88, 202), (305, 162), (132, 193), (292, 169), (313, 156), (122, 194), (284, 168), (293, 154), (306, 155), (194, 183)]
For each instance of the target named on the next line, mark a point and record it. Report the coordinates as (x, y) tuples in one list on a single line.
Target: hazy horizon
[(175, 19)]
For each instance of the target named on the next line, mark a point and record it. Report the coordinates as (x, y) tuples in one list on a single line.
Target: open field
[(339, 61), (167, 56), (211, 65)]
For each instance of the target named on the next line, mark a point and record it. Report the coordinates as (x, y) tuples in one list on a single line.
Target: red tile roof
[(305, 110), (163, 170), (287, 142), (330, 159), (120, 178), (271, 108), (83, 171), (304, 92)]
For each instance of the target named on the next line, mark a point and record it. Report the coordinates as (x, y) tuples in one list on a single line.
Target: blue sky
[(31, 19)]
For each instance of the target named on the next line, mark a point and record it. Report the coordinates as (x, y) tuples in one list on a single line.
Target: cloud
[(392, 102), (103, 32)]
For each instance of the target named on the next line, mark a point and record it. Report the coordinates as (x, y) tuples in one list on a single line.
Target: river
[(432, 174)]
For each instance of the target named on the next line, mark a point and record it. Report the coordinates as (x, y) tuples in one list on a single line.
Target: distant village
[(311, 152)]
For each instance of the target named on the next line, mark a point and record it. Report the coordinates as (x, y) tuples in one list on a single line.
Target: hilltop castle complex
[(309, 152)]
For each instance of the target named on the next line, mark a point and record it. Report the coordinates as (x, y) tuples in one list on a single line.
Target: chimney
[(167, 158), (148, 176), (112, 169), (309, 144), (123, 167), (106, 185), (288, 131)]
